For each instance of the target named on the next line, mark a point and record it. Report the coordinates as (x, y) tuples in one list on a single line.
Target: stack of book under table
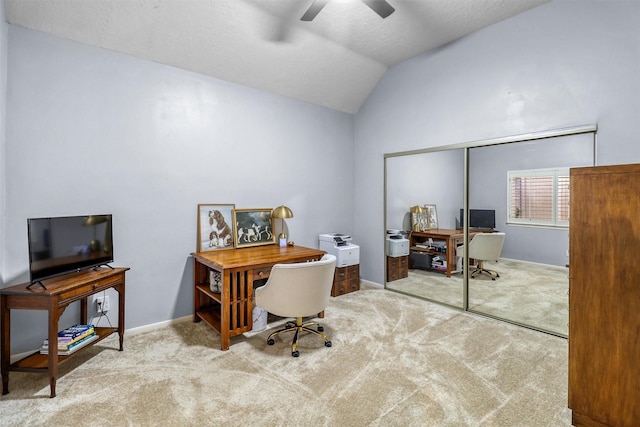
[(72, 339)]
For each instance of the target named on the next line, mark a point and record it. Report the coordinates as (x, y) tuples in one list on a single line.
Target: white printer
[(396, 244), (338, 244)]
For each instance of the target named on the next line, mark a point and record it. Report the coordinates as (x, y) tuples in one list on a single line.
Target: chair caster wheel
[(271, 341), (327, 344), (320, 328), (295, 353)]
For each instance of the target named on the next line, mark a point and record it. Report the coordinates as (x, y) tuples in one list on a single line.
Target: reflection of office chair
[(484, 247), (298, 290)]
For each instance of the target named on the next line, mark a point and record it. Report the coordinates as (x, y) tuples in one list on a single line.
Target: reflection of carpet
[(531, 294)]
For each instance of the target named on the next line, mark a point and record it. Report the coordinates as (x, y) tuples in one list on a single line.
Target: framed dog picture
[(215, 227), (253, 227)]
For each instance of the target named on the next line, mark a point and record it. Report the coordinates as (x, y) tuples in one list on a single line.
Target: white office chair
[(484, 247), (298, 290)]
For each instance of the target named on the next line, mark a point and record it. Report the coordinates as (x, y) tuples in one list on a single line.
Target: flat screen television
[(480, 218), (62, 245)]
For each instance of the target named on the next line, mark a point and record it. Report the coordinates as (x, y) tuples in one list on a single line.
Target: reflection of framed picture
[(431, 216), (418, 221), (215, 227), (253, 227)]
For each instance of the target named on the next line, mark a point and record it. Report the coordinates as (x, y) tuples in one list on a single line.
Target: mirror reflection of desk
[(443, 243), (230, 311)]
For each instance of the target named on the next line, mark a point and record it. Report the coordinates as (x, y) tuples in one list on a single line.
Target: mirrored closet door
[(517, 191), (526, 184), (424, 194)]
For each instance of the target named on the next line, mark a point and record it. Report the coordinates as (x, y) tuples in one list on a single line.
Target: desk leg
[(225, 309), (5, 342), (451, 256), (199, 272), (53, 344)]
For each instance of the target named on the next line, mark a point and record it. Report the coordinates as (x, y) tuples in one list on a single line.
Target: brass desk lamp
[(282, 212)]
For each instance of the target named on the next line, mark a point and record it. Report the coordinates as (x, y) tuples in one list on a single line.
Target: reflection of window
[(539, 197)]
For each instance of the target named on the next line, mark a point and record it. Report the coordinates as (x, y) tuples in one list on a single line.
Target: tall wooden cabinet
[(604, 296)]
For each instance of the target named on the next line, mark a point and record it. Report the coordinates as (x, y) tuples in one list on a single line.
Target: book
[(66, 346), (69, 340), (65, 341), (72, 348)]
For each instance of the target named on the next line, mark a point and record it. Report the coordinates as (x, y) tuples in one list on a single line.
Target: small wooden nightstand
[(397, 268), (345, 280)]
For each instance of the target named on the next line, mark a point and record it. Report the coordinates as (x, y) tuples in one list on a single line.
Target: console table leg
[(52, 385), (120, 290), (54, 317), (5, 343), (5, 384)]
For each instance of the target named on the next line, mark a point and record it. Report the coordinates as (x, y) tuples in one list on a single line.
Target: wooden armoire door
[(604, 296)]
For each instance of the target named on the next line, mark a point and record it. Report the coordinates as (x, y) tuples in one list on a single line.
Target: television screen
[(480, 218), (64, 244)]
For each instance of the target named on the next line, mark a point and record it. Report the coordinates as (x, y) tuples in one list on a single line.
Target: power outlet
[(102, 304)]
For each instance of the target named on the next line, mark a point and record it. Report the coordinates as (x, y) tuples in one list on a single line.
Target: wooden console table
[(452, 239), (59, 293), (230, 311)]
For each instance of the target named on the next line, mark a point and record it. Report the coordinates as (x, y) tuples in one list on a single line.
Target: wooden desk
[(230, 311), (452, 239), (61, 291)]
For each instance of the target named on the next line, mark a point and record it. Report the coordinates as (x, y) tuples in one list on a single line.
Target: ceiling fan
[(381, 7)]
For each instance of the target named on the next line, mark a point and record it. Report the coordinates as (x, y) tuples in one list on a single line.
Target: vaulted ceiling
[(335, 60)]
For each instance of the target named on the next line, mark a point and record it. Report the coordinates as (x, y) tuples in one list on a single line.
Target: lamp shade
[(95, 219), (282, 212)]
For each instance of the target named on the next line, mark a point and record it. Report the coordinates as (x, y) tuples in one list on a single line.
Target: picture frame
[(253, 227), (431, 216), (216, 230), (418, 218), (418, 221)]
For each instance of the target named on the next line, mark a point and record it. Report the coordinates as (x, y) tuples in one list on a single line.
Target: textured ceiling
[(335, 60)]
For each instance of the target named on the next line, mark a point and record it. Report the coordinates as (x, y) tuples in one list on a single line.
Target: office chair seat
[(298, 290)]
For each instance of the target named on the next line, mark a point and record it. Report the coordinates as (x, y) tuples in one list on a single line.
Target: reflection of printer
[(396, 244), (338, 244)]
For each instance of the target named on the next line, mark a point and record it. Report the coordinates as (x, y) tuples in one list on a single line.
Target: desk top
[(255, 256), (438, 232), (442, 232)]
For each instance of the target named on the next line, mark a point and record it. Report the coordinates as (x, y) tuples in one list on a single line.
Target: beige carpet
[(531, 294), (395, 361)]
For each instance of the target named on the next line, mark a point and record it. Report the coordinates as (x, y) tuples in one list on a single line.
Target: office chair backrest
[(298, 290), (486, 246)]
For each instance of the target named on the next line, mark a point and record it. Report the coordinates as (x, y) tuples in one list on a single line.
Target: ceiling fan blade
[(314, 9), (381, 7)]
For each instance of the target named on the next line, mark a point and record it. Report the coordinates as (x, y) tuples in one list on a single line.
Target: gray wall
[(488, 167), (565, 63), (90, 131), (3, 115), (425, 179)]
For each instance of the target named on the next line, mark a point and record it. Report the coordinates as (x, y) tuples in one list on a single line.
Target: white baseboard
[(555, 267), (152, 326), (371, 284)]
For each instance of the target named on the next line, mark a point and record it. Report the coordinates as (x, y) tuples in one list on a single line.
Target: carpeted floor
[(395, 361), (531, 294)]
